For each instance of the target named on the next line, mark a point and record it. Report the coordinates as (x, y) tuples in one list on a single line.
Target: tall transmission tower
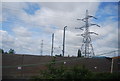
[(87, 48), (41, 47)]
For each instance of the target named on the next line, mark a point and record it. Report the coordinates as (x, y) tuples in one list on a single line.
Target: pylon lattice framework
[(87, 48)]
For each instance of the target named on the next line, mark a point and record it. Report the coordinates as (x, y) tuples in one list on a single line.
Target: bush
[(73, 73)]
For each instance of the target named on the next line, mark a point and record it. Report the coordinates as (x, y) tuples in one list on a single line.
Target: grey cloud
[(59, 15), (22, 31)]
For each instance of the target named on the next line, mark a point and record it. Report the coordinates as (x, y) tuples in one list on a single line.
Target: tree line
[(10, 51)]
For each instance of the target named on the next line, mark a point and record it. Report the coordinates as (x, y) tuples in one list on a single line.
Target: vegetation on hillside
[(73, 73)]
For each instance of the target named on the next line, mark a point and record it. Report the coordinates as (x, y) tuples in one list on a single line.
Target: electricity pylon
[(87, 48)]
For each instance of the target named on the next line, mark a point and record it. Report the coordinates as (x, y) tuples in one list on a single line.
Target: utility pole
[(87, 48), (52, 44), (112, 65), (41, 47), (64, 41), (22, 68)]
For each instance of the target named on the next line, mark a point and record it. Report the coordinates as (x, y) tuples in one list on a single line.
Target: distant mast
[(41, 47)]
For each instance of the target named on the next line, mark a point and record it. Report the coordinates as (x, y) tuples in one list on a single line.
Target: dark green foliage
[(59, 55), (77, 72), (71, 73), (106, 76), (1, 51), (62, 72), (52, 72), (11, 51), (79, 53), (6, 52)]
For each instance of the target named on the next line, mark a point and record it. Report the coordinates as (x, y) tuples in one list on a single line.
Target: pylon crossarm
[(94, 24), (82, 19), (80, 28), (89, 16), (92, 33), (83, 35)]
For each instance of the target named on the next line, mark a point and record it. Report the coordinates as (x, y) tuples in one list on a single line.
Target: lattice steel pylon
[(87, 48)]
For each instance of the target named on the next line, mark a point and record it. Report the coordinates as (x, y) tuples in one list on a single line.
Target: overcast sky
[(25, 24)]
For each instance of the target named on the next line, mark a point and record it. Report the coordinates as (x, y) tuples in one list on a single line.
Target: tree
[(2, 51), (6, 52), (11, 51), (79, 53), (63, 73)]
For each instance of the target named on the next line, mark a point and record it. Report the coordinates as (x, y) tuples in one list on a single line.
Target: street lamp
[(64, 40)]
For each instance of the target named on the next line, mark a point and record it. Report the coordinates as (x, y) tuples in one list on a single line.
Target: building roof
[(117, 57)]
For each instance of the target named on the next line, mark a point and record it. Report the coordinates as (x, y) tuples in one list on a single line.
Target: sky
[(25, 24)]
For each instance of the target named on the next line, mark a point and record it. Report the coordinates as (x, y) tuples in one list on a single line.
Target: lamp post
[(64, 41)]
